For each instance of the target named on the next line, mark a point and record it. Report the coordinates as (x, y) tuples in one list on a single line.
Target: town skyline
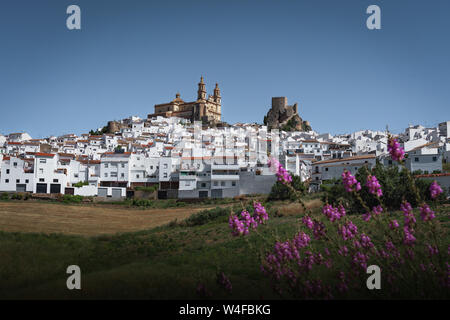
[(324, 58)]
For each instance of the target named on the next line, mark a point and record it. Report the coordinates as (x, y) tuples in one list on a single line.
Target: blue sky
[(131, 55)]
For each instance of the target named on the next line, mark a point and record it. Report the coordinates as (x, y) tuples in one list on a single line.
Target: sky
[(130, 55)]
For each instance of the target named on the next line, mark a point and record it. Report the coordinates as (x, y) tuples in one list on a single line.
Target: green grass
[(163, 263)]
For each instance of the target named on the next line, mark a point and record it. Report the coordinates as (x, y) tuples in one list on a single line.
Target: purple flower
[(360, 259), (224, 281), (409, 239), (397, 153), (432, 250), (393, 224), (318, 230), (435, 190), (348, 230), (349, 181), (377, 210), (374, 186), (426, 213), (332, 214), (366, 216), (282, 174), (341, 210), (241, 226), (343, 251), (301, 240), (407, 212), (260, 214), (365, 241), (308, 222)]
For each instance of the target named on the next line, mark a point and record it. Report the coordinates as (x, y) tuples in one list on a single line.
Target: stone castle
[(285, 117), (205, 109)]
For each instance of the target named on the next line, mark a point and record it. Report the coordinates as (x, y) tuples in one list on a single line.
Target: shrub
[(4, 196), (394, 183), (68, 198), (205, 216), (281, 192), (80, 184), (142, 203), (17, 196), (329, 256)]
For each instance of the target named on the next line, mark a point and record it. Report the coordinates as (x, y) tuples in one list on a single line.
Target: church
[(205, 109)]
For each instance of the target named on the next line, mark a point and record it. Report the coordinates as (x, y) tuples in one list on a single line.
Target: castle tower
[(201, 93), (217, 97)]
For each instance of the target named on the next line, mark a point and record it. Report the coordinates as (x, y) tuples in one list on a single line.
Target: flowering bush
[(329, 259), (397, 153), (394, 185), (242, 225), (282, 175)]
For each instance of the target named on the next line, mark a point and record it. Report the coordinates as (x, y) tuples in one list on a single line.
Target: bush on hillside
[(394, 183), (281, 192)]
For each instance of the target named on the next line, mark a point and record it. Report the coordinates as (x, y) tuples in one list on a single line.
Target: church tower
[(217, 97), (201, 93)]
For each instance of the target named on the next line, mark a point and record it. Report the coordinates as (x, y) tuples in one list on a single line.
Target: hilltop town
[(184, 150)]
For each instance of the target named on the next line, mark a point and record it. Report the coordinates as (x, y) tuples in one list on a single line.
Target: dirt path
[(84, 220)]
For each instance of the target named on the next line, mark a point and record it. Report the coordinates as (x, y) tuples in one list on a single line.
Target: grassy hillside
[(163, 263)]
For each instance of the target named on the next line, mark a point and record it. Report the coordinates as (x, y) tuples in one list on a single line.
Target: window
[(41, 171), (106, 175), (75, 175), (203, 185), (216, 183), (17, 180), (233, 183), (113, 174), (137, 176), (27, 181), (434, 158), (106, 165), (122, 175), (326, 169), (42, 160), (165, 175), (222, 183), (151, 167), (6, 180), (390, 162), (7, 171), (41, 180), (55, 180), (123, 165), (165, 165), (416, 159), (15, 164)]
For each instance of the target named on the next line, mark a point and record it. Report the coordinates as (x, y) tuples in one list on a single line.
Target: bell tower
[(217, 97), (201, 93)]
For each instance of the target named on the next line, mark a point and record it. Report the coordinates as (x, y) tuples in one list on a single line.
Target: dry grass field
[(86, 220), (294, 208)]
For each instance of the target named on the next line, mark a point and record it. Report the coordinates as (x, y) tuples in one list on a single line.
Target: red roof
[(42, 154), (433, 175)]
